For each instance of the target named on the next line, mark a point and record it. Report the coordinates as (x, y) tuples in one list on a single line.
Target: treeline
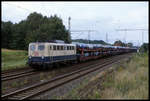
[(91, 41), (144, 47), (35, 28), (120, 43)]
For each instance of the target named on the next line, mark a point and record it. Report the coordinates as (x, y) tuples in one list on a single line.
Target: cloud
[(104, 17)]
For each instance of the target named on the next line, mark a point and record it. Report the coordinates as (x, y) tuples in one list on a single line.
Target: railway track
[(41, 87), (6, 72), (22, 73), (18, 73)]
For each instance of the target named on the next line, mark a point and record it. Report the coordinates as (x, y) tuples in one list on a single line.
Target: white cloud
[(104, 17)]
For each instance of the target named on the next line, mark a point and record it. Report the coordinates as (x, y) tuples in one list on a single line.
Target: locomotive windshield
[(32, 47), (41, 47)]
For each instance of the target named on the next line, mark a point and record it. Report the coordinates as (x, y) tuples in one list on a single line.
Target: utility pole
[(89, 36), (137, 29), (106, 37), (142, 36), (125, 35), (69, 24)]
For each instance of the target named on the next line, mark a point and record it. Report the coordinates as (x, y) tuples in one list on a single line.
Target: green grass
[(13, 59), (129, 81)]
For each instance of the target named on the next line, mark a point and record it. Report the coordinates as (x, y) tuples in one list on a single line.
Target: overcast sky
[(103, 17)]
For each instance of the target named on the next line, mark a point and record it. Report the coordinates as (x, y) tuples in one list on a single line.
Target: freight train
[(47, 54)]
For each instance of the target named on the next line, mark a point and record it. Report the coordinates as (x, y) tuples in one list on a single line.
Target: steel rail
[(71, 74), (5, 76), (18, 76), (54, 79)]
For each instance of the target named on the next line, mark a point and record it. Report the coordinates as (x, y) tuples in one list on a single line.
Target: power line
[(20, 7), (89, 31), (81, 33), (136, 29)]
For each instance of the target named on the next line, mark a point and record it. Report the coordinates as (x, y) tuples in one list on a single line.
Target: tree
[(144, 47), (51, 29), (19, 33), (6, 34), (34, 28), (129, 44), (118, 43)]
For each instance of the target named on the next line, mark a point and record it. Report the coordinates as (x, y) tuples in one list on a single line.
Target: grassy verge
[(129, 81), (13, 59)]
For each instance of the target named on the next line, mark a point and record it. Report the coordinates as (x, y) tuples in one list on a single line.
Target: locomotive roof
[(52, 43), (81, 44)]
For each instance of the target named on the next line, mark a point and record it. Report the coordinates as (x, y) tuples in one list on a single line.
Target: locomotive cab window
[(62, 48), (41, 47), (32, 47), (50, 47), (57, 47), (67, 47), (54, 47)]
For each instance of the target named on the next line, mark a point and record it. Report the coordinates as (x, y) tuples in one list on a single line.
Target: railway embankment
[(125, 80)]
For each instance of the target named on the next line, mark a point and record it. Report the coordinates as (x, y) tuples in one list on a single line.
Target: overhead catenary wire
[(85, 31), (78, 34), (136, 29), (20, 7)]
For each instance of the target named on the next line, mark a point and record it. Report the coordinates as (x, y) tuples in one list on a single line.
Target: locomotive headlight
[(42, 57), (30, 57)]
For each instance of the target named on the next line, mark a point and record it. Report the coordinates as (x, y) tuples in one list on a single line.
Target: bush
[(144, 48)]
